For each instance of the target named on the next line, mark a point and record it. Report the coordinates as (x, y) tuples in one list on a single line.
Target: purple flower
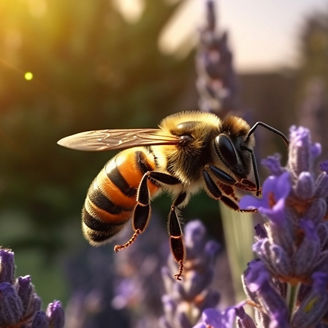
[(243, 319), (55, 314), (216, 82), (11, 308), (19, 304), (184, 301), (275, 191), (273, 164), (7, 266), (324, 166), (315, 305), (215, 319), (260, 289), (292, 245), (302, 152)]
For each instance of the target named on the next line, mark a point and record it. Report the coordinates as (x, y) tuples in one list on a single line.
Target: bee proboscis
[(189, 151)]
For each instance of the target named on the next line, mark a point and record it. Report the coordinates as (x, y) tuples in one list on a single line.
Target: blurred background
[(67, 67)]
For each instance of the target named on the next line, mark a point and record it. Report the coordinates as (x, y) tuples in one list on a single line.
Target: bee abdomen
[(112, 195), (97, 231)]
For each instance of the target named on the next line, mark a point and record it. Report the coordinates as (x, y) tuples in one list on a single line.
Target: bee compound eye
[(226, 150)]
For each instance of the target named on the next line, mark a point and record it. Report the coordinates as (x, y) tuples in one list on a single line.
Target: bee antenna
[(270, 128)]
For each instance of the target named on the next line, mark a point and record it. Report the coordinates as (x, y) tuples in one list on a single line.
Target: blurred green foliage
[(92, 69)]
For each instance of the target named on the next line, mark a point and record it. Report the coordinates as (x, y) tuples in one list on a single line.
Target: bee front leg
[(216, 193), (142, 210)]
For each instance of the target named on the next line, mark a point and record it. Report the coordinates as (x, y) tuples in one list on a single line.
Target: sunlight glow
[(28, 76), (130, 9)]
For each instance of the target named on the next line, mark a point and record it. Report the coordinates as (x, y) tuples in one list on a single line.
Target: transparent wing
[(101, 140)]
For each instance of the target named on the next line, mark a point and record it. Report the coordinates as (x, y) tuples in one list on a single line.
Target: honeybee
[(188, 152)]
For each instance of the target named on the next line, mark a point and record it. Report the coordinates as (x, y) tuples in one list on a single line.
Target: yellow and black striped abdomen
[(112, 194)]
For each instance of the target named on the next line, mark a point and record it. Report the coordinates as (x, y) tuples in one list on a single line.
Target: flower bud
[(273, 164), (257, 281), (243, 319), (315, 305), (304, 188), (40, 320), (308, 252), (7, 266), (322, 185), (11, 308), (56, 315)]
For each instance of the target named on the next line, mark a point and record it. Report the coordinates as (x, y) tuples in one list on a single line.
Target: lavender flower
[(138, 269), (289, 281), (216, 82), (216, 319), (184, 301), (231, 317), (20, 306)]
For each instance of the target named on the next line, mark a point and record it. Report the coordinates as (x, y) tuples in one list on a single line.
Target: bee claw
[(118, 248)]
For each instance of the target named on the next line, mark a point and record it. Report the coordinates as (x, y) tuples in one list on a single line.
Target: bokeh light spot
[(28, 76)]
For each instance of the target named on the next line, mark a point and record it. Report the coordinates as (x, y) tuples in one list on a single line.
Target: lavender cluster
[(287, 285), (216, 78), (184, 301), (20, 306), (137, 287)]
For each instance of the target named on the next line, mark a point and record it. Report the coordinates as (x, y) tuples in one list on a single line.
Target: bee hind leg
[(142, 210), (175, 233)]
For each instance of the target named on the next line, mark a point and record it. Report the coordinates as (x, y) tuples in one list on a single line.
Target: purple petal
[(24, 291), (250, 202), (40, 320), (300, 152), (309, 251), (324, 166), (283, 185), (257, 281), (243, 319), (7, 266), (11, 308), (304, 188), (56, 315), (195, 235), (322, 185), (273, 164), (260, 231), (217, 319), (316, 150), (275, 191), (314, 307), (256, 275)]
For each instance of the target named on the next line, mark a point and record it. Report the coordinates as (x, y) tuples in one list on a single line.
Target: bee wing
[(101, 140)]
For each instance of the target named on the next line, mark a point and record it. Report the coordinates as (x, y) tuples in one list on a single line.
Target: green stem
[(238, 234), (291, 298)]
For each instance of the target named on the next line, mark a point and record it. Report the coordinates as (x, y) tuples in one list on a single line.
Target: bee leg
[(216, 193), (176, 240), (141, 213), (222, 175), (227, 179), (142, 210)]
